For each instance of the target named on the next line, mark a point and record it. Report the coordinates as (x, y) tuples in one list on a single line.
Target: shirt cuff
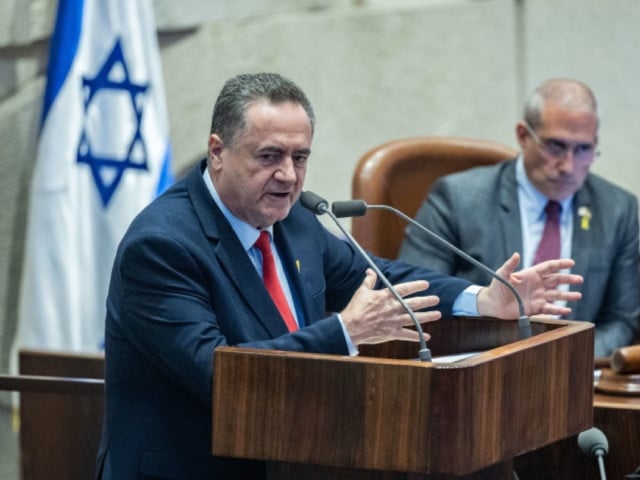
[(466, 304), (353, 350)]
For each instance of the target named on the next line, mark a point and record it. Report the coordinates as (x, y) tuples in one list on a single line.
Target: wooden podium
[(385, 415)]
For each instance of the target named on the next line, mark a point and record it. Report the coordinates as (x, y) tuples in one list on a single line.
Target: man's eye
[(268, 157), (300, 159), (556, 147), (584, 149)]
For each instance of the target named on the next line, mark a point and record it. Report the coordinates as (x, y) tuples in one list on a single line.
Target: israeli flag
[(103, 154)]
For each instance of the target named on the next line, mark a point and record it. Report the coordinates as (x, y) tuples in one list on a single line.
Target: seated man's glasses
[(582, 152)]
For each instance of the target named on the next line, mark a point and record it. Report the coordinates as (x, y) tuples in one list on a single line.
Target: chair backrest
[(400, 173)]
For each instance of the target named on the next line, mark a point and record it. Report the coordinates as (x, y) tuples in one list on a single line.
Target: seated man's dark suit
[(477, 210), (182, 285)]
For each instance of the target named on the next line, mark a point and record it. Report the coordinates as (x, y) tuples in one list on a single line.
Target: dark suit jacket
[(182, 285), (477, 210)]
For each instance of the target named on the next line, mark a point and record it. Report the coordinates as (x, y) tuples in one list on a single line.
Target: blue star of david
[(111, 100)]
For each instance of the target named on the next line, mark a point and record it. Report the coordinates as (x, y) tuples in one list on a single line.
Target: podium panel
[(384, 411), (618, 417)]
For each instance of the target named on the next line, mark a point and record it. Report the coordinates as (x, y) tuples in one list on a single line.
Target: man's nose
[(566, 162), (286, 170)]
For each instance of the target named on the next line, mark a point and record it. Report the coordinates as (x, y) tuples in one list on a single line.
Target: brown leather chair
[(400, 173)]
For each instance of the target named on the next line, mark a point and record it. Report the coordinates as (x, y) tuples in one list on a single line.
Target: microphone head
[(593, 442), (314, 202), (349, 208)]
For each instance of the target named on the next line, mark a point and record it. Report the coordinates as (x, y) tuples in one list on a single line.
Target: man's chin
[(276, 215)]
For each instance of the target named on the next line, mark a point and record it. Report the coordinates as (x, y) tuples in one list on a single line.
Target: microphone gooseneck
[(354, 208), (319, 206), (594, 443)]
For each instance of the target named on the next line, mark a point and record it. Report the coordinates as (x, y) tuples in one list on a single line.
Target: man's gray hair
[(240, 92), (564, 93)]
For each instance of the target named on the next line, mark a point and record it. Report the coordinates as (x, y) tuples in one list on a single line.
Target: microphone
[(357, 208), (633, 476), (593, 443), (319, 206)]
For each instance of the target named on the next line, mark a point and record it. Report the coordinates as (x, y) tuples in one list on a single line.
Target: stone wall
[(375, 70)]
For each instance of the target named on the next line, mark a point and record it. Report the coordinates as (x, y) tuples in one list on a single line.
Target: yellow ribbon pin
[(298, 265), (585, 217)]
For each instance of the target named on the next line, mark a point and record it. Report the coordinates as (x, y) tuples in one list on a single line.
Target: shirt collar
[(247, 234), (534, 199)]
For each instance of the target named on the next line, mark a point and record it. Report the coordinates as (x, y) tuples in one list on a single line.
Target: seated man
[(492, 211)]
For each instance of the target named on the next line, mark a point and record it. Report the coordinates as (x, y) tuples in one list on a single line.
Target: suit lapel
[(232, 256), (247, 281), (509, 213), (581, 242)]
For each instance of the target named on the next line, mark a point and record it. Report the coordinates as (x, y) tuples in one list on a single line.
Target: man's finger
[(422, 302), (408, 288), (422, 317), (369, 279), (553, 266), (509, 266), (555, 279)]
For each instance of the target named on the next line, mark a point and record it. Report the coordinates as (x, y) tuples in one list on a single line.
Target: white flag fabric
[(103, 154)]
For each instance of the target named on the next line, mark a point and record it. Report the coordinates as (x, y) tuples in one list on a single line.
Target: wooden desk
[(61, 409), (79, 404), (619, 419)]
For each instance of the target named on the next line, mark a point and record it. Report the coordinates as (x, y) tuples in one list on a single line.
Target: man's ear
[(216, 146), (521, 134)]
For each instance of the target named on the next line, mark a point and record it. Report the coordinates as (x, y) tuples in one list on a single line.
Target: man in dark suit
[(490, 212), (187, 279)]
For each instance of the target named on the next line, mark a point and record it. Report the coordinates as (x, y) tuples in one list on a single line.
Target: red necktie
[(549, 246), (271, 281)]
